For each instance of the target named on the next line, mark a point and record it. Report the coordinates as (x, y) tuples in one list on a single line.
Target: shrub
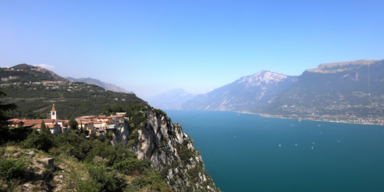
[(105, 181), (185, 154), (10, 168), (130, 166), (151, 179), (55, 151)]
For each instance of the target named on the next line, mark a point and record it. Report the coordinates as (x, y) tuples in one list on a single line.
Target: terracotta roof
[(53, 107), (101, 117), (14, 121), (29, 122), (38, 126)]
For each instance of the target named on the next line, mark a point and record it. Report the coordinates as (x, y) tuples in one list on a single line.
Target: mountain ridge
[(247, 91), (107, 86), (351, 92), (170, 99)]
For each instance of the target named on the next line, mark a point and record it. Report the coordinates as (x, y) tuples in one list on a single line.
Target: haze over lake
[(245, 152)]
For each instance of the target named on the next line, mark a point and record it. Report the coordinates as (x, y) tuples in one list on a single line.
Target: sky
[(150, 47)]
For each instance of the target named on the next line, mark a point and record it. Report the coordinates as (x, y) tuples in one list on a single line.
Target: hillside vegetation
[(35, 89), (81, 164)]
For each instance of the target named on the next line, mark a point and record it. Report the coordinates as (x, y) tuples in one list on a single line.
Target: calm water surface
[(245, 152)]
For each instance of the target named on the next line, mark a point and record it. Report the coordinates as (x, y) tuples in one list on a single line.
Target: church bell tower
[(53, 113)]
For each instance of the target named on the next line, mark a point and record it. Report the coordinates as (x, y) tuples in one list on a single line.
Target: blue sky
[(150, 47)]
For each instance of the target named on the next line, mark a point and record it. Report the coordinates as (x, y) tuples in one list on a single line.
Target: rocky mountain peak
[(342, 66), (262, 77)]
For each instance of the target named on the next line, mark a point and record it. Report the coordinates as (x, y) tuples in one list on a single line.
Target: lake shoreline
[(309, 118)]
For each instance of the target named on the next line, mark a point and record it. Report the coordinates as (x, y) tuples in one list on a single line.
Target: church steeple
[(53, 112)]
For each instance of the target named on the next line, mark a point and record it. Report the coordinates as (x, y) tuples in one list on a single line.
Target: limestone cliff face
[(170, 151)]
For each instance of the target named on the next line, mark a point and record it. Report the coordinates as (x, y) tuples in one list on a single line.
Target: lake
[(246, 152)]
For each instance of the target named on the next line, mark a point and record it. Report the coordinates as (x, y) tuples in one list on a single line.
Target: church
[(55, 125)]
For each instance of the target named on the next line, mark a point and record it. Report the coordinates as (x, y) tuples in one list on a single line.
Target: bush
[(151, 179), (105, 181), (10, 168), (43, 140), (130, 166), (185, 154)]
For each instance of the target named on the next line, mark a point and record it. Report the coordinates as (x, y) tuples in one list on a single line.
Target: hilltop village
[(91, 124)]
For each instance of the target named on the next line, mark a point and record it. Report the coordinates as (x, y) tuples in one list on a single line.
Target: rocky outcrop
[(170, 151)]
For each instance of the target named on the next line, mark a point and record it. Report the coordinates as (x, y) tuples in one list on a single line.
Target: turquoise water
[(241, 152)]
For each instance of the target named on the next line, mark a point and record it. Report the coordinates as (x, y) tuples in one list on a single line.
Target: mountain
[(107, 86), (35, 89), (25, 73), (244, 93), (170, 99), (351, 91)]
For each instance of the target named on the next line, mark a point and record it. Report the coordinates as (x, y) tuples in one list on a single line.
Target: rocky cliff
[(157, 140)]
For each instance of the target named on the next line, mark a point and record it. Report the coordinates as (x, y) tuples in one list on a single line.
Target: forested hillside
[(35, 89)]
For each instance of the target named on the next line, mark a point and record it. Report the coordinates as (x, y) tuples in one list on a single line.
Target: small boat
[(313, 143), (338, 141), (295, 144), (279, 145), (312, 147), (321, 132)]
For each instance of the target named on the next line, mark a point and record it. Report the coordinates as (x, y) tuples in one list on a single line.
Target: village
[(99, 125)]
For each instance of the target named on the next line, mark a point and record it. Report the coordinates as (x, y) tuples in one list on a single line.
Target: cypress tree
[(42, 127)]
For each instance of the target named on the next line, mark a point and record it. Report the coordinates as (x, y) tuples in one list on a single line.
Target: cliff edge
[(154, 138)]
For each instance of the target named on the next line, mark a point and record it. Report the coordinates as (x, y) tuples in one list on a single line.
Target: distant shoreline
[(308, 119)]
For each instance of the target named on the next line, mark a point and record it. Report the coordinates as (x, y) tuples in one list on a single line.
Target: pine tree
[(7, 133)]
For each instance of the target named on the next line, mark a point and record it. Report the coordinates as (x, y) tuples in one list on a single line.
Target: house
[(55, 126)]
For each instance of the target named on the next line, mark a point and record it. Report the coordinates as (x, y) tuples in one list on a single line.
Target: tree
[(73, 123), (4, 108), (7, 133), (43, 128), (43, 140)]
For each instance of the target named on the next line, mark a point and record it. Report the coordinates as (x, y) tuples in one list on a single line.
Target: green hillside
[(36, 91)]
